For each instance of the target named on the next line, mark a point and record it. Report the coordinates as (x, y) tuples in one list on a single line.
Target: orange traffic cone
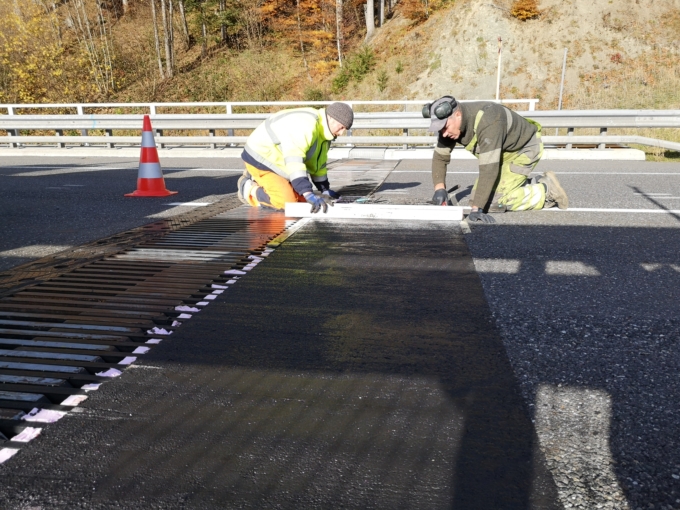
[(150, 182)]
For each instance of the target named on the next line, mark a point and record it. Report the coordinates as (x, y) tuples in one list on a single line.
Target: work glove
[(441, 197), (480, 216), (331, 194), (317, 203)]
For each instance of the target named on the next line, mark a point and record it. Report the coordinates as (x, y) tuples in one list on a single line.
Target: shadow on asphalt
[(356, 367), (590, 314)]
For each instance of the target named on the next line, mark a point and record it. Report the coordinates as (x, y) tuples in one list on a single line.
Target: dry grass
[(650, 82), (525, 9)]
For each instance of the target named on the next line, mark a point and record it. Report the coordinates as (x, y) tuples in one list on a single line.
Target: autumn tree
[(30, 54)]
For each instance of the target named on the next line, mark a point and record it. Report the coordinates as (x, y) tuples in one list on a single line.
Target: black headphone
[(443, 110)]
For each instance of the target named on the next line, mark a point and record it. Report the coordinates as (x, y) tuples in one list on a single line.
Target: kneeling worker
[(508, 147), (285, 148)]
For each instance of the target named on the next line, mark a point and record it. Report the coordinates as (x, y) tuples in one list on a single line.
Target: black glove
[(441, 197), (331, 194), (480, 216), (317, 203)]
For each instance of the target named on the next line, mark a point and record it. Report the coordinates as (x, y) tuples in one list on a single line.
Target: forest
[(104, 50)]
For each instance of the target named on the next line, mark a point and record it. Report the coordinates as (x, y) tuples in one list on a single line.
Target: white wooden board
[(378, 211)]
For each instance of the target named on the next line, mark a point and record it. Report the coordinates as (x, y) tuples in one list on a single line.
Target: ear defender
[(443, 110), (426, 110)]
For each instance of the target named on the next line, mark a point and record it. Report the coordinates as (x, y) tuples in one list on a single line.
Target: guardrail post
[(12, 132), (156, 132), (109, 132), (211, 132), (570, 132), (405, 131), (81, 111), (230, 132), (603, 132), (59, 132)]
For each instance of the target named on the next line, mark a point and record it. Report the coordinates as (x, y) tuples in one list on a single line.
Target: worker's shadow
[(388, 186), (464, 193)]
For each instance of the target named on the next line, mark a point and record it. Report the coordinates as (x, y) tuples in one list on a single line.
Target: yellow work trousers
[(273, 190), (511, 188)]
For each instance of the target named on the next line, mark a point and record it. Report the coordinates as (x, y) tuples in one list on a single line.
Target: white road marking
[(535, 173), (36, 250), (239, 170), (570, 268), (191, 204), (632, 211)]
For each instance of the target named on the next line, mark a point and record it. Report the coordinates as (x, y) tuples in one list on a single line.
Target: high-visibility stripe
[(150, 171), (487, 158), (147, 139), (275, 117), (270, 131), (265, 162), (293, 159), (297, 175), (149, 155), (508, 114)]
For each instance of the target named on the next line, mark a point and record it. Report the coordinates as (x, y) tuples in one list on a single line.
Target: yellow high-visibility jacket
[(292, 143)]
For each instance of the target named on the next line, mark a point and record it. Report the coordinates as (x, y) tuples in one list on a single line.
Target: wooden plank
[(378, 212)]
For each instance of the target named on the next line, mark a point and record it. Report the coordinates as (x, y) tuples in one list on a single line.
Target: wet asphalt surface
[(586, 305)]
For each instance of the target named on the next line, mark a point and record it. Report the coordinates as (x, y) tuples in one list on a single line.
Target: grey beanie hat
[(342, 113)]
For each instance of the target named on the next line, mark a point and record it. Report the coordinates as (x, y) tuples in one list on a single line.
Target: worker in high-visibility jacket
[(287, 148), (508, 147)]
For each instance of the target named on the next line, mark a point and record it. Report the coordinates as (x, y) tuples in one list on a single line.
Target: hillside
[(621, 54)]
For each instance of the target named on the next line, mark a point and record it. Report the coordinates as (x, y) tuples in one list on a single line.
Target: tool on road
[(377, 212), (150, 181)]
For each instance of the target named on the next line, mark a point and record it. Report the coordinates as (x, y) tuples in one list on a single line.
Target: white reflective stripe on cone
[(150, 171), (147, 139)]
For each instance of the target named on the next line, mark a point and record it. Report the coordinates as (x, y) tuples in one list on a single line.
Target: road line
[(535, 173), (633, 211)]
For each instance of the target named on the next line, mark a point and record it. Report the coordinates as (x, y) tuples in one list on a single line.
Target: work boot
[(244, 184), (554, 194)]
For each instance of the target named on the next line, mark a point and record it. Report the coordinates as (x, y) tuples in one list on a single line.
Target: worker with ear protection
[(508, 147)]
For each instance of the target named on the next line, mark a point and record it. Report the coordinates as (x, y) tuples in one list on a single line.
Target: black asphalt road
[(330, 377), (586, 305), (47, 206)]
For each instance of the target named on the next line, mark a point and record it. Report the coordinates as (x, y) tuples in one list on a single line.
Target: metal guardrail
[(231, 106), (406, 121)]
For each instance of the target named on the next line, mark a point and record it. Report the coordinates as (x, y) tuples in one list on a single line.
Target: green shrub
[(355, 68), (382, 80), (314, 94)]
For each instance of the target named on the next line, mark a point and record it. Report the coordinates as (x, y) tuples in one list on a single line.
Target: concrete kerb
[(385, 153)]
